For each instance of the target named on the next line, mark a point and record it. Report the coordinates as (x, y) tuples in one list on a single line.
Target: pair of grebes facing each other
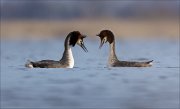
[(75, 37)]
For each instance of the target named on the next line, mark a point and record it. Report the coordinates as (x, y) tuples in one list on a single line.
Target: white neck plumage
[(67, 55), (70, 58)]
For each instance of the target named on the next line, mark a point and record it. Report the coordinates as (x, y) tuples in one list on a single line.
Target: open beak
[(83, 47)]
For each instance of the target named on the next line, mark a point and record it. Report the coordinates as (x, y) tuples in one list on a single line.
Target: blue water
[(91, 83)]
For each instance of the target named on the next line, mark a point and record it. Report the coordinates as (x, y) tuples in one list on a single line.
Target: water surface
[(91, 83)]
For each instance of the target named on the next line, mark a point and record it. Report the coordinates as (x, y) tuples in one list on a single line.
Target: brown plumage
[(108, 36)]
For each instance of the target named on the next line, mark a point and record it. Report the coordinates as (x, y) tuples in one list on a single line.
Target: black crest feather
[(108, 34), (74, 36)]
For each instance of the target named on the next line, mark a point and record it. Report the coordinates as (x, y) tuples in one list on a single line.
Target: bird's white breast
[(70, 59)]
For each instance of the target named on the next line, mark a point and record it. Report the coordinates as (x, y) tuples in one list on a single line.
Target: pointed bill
[(83, 47), (101, 44)]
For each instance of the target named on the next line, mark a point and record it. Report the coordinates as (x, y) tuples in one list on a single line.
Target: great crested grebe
[(67, 60), (108, 36)]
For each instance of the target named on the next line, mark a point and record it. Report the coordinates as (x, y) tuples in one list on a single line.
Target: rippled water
[(90, 83)]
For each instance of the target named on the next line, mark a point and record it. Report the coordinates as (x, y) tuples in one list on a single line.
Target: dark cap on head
[(108, 34), (74, 36)]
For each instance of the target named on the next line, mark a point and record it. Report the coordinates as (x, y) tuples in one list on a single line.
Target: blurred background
[(35, 30), (53, 18)]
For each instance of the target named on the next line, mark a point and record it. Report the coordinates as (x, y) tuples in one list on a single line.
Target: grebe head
[(77, 38), (105, 36)]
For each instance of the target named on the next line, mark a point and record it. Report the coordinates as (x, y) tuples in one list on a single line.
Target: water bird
[(108, 36), (67, 60)]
